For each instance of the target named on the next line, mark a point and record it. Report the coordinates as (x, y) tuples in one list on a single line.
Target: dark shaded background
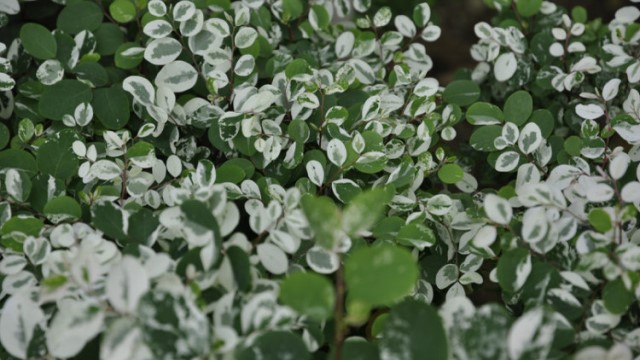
[(457, 18)]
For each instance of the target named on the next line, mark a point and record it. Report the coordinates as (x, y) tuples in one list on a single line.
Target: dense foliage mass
[(281, 179)]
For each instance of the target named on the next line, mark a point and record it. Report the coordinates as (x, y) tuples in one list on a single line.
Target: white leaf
[(618, 165), (497, 209), (125, 285), (425, 14), (610, 89), (631, 192), (121, 340), (530, 138), (75, 324), (344, 44), (534, 225), (162, 51), (272, 258), (174, 165), (405, 26), (627, 14), (18, 319), (426, 87), (590, 111), (11, 7), (507, 161), (157, 8), (105, 170), (157, 29), (315, 171), (505, 66), (14, 185), (285, 241), (523, 333), (485, 237), (179, 76), (83, 114), (258, 102), (337, 152), (245, 37), (50, 72)]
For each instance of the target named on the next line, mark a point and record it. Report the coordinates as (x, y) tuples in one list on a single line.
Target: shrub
[(283, 180)]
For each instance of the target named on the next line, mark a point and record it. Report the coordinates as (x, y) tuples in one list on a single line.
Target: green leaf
[(122, 11), (276, 345), (296, 68), (62, 208), (528, 8), (518, 107), (141, 225), (514, 268), (617, 298), (62, 98), (451, 173), (482, 139), (600, 220), (364, 210), (416, 234), (56, 158), (5, 135), (544, 119), (291, 9), (324, 219), (17, 159), (111, 107), (38, 41), (461, 92), (309, 294), (413, 330), (482, 113), (108, 218), (241, 267), (26, 225), (128, 62), (78, 16), (108, 38), (380, 275)]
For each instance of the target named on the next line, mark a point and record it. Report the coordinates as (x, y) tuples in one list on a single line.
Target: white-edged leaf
[(497, 209), (618, 165), (405, 26), (183, 10), (73, 326), (140, 88), (105, 170), (446, 276), (610, 89), (244, 65), (83, 114), (20, 315), (344, 44), (507, 161), (174, 166), (245, 37), (315, 171), (126, 283), (157, 29), (589, 111), (50, 72), (179, 76), (534, 225), (162, 51), (157, 8), (322, 261), (337, 152), (530, 138), (10, 7), (121, 340)]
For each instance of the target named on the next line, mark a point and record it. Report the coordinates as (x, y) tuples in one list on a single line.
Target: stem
[(339, 314)]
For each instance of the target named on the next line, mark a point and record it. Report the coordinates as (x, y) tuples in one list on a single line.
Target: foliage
[(266, 179)]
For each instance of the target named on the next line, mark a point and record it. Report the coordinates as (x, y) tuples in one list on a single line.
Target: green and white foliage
[(265, 179)]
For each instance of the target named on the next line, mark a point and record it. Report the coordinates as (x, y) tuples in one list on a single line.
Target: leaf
[(528, 8), (298, 69), (245, 37), (405, 26), (140, 88), (422, 14), (498, 209), (483, 138), (126, 283), (73, 326), (105, 170), (518, 107), (322, 261), (530, 138), (364, 210), (447, 276), (482, 113), (111, 107), (380, 275), (62, 208), (505, 66), (38, 41), (315, 171), (291, 9), (417, 235), (122, 11), (120, 340), (109, 219), (162, 51), (344, 44), (178, 76), (62, 98), (272, 258), (371, 162), (589, 111), (324, 219), (56, 158), (79, 16), (275, 345), (461, 92), (309, 294), (345, 189), (413, 330), (450, 173), (507, 161), (18, 320), (514, 268)]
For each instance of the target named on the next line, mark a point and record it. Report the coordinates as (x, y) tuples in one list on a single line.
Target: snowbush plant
[(283, 179)]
